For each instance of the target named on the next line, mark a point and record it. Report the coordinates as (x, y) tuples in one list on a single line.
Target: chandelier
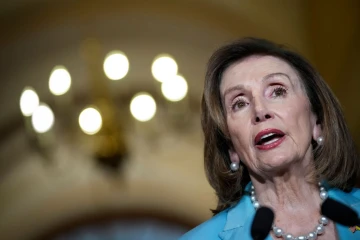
[(98, 120)]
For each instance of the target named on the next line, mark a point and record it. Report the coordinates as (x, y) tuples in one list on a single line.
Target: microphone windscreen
[(262, 223), (339, 212)]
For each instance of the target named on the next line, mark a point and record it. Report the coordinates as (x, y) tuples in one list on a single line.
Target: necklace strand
[(279, 233)]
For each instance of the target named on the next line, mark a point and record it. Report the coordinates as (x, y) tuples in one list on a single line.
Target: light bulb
[(174, 89), (90, 121), (42, 119), (143, 107), (116, 65), (164, 67), (29, 101), (59, 81)]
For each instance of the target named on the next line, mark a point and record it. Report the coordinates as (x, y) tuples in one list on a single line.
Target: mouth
[(269, 138)]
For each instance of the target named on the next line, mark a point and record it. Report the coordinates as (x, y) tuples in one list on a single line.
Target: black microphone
[(262, 223), (339, 213)]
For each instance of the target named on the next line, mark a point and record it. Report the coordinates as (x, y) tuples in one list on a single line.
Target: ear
[(234, 157), (317, 130)]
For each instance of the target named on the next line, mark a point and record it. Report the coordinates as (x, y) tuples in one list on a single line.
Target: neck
[(294, 199), (289, 194), (291, 190)]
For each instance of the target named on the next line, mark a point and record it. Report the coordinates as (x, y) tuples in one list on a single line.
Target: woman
[(274, 130)]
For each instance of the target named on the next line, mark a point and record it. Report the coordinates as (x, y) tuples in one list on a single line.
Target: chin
[(278, 163)]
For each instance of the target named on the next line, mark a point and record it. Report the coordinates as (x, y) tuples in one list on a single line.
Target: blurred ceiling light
[(116, 65), (42, 119), (90, 121), (59, 81), (174, 89), (143, 107), (29, 101), (164, 67)]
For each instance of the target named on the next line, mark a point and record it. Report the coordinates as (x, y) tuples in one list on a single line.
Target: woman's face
[(268, 114)]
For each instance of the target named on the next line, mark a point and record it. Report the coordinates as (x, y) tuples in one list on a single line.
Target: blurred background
[(100, 133)]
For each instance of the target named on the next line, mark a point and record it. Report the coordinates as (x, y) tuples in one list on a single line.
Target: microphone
[(339, 213), (262, 223)]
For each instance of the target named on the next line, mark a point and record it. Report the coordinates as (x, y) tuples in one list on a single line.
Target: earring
[(320, 140), (234, 166)]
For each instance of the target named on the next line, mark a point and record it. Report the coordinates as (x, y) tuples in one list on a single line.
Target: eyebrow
[(265, 78)]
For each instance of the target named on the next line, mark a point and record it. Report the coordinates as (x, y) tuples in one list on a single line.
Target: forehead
[(255, 68)]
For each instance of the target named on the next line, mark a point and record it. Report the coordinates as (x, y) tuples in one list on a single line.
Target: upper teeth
[(267, 135)]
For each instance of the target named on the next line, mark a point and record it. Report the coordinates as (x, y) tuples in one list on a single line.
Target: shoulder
[(208, 230), (355, 193), (351, 198)]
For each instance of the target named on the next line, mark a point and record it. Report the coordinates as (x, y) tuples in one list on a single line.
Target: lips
[(269, 138)]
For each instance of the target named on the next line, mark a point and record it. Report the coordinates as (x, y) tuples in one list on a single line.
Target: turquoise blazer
[(235, 223)]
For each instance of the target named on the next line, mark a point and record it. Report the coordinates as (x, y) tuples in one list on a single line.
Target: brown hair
[(336, 160)]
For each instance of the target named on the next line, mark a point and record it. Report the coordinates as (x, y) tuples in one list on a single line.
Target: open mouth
[(269, 138)]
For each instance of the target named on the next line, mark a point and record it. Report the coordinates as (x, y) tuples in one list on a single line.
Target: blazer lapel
[(239, 219), (237, 222)]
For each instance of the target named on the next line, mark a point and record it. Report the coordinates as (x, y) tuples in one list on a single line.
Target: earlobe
[(317, 132), (234, 157), (235, 160)]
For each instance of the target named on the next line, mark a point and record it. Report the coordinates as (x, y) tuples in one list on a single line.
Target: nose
[(261, 112), (262, 117)]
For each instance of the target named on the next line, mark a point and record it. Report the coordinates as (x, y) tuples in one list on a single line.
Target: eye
[(238, 103), (279, 91)]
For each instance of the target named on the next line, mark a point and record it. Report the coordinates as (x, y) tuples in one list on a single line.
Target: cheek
[(298, 110), (240, 134), (299, 121)]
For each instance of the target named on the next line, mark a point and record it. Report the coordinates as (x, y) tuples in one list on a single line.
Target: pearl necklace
[(279, 233)]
